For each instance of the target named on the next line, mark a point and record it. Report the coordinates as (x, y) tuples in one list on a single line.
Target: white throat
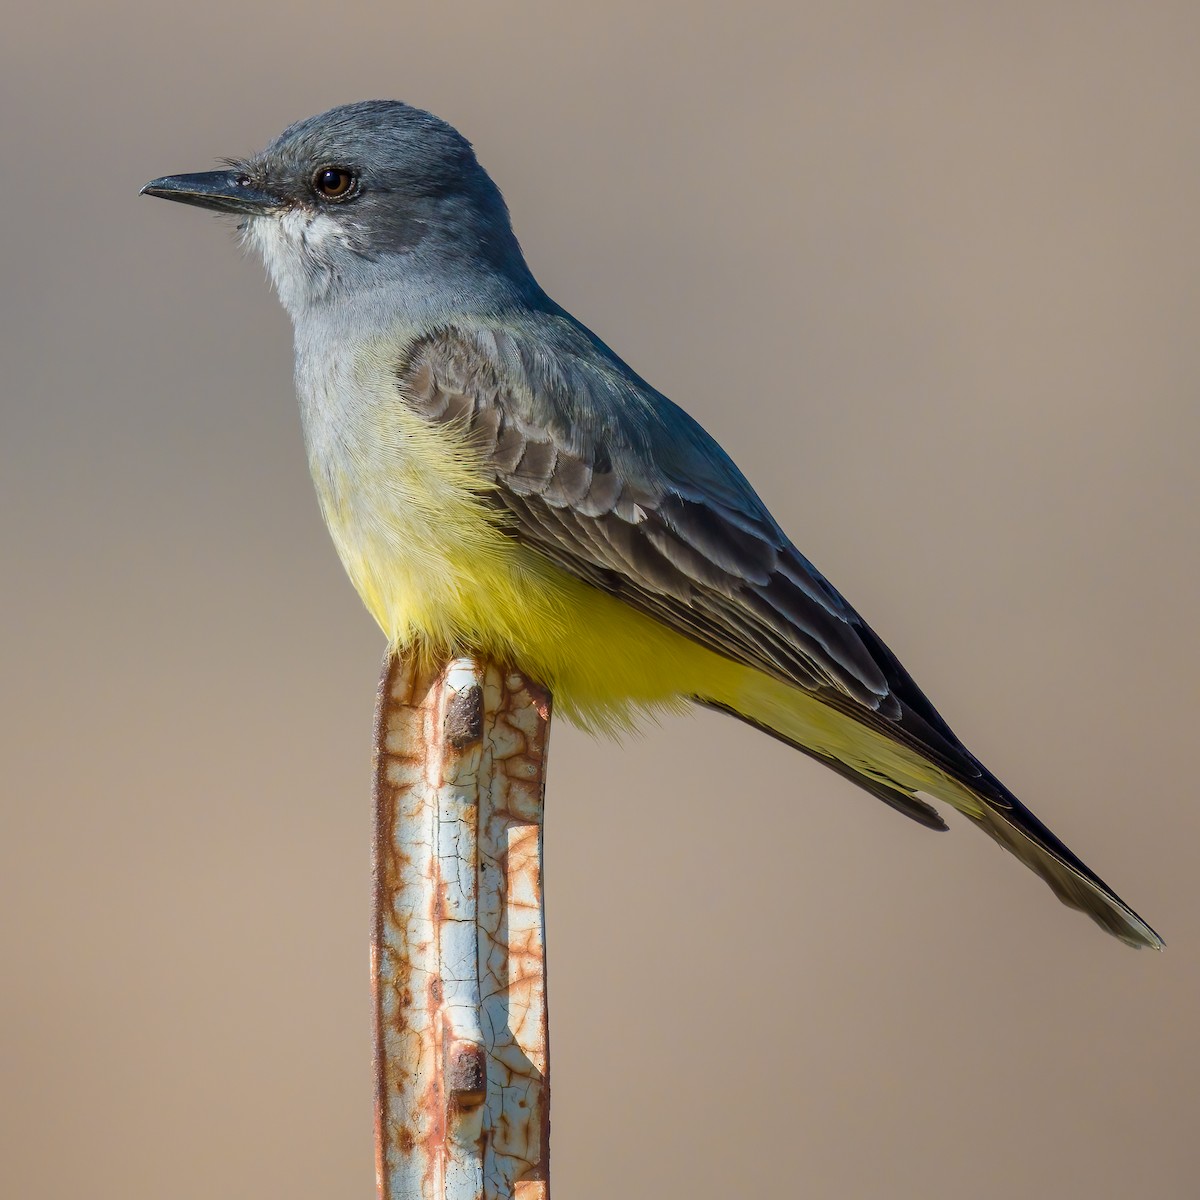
[(299, 249)]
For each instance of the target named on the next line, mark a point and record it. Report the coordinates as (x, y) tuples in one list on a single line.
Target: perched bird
[(497, 480)]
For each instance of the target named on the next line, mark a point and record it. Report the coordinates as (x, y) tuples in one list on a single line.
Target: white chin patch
[(299, 249)]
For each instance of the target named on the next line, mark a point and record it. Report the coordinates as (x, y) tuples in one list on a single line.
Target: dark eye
[(334, 183)]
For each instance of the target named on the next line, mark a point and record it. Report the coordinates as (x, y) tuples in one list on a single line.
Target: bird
[(496, 480)]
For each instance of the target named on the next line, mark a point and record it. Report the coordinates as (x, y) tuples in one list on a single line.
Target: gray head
[(369, 195)]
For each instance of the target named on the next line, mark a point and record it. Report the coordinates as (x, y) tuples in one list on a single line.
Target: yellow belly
[(600, 658)]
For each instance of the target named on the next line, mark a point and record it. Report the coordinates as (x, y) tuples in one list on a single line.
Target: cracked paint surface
[(458, 955)]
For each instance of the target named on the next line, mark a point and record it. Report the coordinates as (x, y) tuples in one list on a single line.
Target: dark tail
[(1011, 824), (989, 805)]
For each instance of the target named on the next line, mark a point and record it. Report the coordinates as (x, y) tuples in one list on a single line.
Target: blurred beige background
[(947, 256)]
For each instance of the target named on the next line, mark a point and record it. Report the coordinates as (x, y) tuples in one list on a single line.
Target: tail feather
[(1023, 835), (895, 773)]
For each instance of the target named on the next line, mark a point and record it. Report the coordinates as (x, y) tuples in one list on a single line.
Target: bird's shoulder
[(557, 396)]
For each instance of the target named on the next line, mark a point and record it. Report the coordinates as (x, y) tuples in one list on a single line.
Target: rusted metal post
[(462, 1093)]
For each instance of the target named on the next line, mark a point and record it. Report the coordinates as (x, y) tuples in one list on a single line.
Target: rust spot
[(466, 1074), (464, 718), (539, 697)]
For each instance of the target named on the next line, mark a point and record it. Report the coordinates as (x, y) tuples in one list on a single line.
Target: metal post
[(462, 1094)]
